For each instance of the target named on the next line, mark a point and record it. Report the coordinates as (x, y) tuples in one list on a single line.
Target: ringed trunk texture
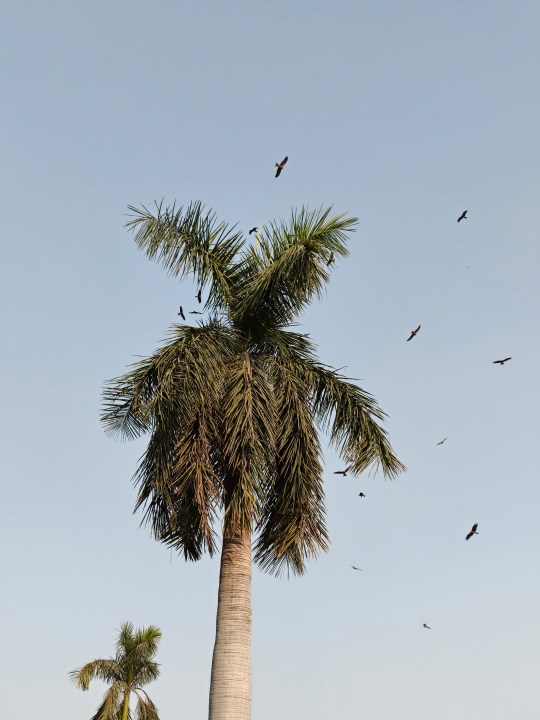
[(230, 682)]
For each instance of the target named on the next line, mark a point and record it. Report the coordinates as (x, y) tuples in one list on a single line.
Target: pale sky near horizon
[(402, 114)]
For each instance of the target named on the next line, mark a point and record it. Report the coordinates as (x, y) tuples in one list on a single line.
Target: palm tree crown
[(233, 406), (131, 668)]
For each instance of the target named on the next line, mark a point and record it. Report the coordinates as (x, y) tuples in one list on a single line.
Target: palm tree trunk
[(230, 683), (125, 709)]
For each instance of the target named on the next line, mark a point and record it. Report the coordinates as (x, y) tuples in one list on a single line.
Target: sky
[(401, 114)]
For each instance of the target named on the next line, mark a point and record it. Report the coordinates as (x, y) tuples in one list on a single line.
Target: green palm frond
[(351, 415), (106, 670), (248, 427), (191, 240), (290, 265), (159, 387), (293, 528)]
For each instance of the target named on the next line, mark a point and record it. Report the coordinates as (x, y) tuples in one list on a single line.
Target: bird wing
[(506, 359), (278, 171), (469, 536), (474, 528), (284, 160)]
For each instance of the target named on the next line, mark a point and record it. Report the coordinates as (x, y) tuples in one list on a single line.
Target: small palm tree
[(131, 668), (233, 409)]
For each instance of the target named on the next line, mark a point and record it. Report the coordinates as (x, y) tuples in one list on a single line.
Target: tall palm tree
[(131, 668), (233, 407)]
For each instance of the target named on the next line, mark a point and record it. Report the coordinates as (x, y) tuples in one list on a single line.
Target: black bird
[(252, 230), (281, 165), (463, 216), (501, 362), (413, 333), (355, 568), (472, 531), (199, 295), (443, 440), (361, 494), (426, 626), (343, 472), (331, 260), (181, 313), (195, 312)]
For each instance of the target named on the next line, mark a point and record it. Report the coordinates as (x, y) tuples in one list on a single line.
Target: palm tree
[(233, 407), (131, 668)]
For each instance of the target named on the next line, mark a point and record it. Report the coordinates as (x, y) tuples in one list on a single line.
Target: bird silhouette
[(361, 494), (181, 313), (472, 531), (463, 216), (252, 230), (501, 362), (442, 441), (195, 312), (413, 333), (199, 296), (426, 626), (281, 165), (331, 260), (343, 472), (355, 568)]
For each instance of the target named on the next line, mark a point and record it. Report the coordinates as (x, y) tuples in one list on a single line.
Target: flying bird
[(343, 472), (501, 362), (426, 626), (252, 230), (281, 165), (199, 295), (472, 531), (181, 313), (195, 312), (413, 333), (331, 260), (463, 216), (442, 441), (355, 568), (361, 494)]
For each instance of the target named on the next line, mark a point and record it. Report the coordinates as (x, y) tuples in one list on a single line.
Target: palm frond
[(177, 479), (164, 382), (293, 527), (290, 266), (106, 670), (190, 240), (111, 707), (350, 414), (145, 710), (248, 427)]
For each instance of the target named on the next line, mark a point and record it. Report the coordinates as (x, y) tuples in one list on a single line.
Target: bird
[(199, 295), (181, 313), (413, 333), (343, 472), (426, 626), (331, 260), (195, 312), (252, 230), (443, 440), (361, 494), (281, 165), (463, 216), (472, 531), (501, 362), (355, 568)]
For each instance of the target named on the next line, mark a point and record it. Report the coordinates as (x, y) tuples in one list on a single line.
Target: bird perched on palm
[(233, 408)]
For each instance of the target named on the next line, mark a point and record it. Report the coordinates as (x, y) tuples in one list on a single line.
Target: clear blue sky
[(403, 114)]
